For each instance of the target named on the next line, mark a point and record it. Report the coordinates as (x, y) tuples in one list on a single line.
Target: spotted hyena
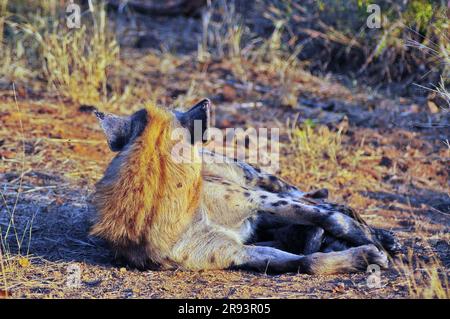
[(216, 214)]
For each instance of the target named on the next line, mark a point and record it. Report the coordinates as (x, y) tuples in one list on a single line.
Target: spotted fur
[(215, 214)]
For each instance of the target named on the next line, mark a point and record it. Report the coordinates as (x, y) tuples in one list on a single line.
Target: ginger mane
[(143, 186)]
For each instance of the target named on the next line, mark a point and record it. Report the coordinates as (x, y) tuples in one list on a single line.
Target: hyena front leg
[(272, 260), (229, 254), (208, 246)]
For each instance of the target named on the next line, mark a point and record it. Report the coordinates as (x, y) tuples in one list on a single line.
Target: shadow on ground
[(58, 228)]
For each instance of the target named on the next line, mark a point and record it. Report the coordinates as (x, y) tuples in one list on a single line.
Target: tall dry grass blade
[(11, 224)]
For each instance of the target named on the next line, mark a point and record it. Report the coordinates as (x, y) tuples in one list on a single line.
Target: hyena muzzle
[(218, 214)]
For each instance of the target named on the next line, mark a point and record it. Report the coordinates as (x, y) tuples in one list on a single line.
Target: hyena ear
[(197, 120), (121, 130)]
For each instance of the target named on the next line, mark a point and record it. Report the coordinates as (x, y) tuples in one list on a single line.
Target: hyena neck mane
[(145, 194)]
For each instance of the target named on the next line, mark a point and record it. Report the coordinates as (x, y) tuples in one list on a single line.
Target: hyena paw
[(368, 255), (388, 240)]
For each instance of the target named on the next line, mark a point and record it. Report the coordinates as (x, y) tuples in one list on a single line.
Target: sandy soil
[(52, 151), (65, 153)]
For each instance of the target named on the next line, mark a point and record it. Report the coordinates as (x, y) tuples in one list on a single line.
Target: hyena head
[(121, 131), (145, 196)]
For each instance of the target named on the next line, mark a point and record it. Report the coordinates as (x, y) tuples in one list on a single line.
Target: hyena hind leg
[(386, 238), (306, 239), (294, 238), (335, 223), (272, 260)]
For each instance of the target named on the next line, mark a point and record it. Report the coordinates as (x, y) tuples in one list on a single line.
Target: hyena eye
[(196, 120), (122, 130)]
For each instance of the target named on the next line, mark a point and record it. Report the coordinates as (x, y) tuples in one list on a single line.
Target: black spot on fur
[(263, 196), (280, 203), (247, 194), (276, 204)]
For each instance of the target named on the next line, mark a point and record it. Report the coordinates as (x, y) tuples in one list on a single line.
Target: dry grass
[(424, 279), (77, 62), (73, 61), (427, 278), (320, 159), (11, 230), (231, 40), (274, 58), (13, 66), (221, 37)]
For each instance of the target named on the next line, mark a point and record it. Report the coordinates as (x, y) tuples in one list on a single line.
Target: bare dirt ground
[(65, 153), (52, 152)]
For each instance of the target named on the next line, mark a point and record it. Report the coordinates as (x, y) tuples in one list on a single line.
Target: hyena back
[(155, 210)]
